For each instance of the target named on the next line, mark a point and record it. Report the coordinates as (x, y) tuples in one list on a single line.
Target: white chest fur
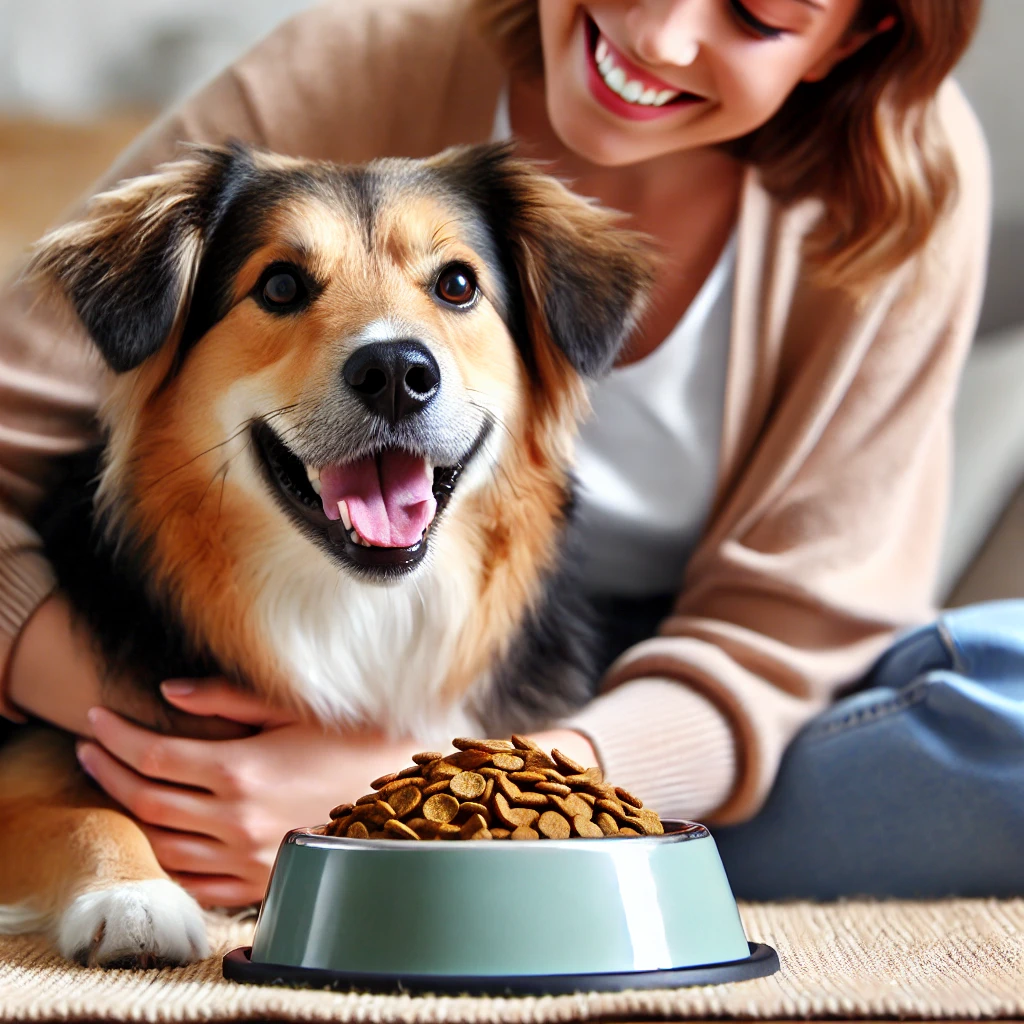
[(362, 651)]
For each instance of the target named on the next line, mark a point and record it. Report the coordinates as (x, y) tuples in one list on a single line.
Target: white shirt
[(647, 458)]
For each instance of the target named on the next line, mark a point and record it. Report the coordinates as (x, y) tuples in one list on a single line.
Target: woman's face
[(629, 80)]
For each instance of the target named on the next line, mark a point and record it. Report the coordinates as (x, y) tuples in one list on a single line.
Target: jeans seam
[(955, 651), (913, 694)]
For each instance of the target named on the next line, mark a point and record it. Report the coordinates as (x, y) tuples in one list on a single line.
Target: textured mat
[(926, 960)]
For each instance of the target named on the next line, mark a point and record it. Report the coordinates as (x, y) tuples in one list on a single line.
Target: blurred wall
[(75, 58), (992, 75)]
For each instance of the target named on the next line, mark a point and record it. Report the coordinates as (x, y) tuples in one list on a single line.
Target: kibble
[(441, 807), (493, 789), (468, 785)]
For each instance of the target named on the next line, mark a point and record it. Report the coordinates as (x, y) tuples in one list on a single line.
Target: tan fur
[(59, 835)]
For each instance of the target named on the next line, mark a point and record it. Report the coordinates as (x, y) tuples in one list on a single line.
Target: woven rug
[(955, 959)]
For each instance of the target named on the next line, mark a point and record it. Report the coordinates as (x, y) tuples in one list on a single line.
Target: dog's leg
[(73, 865)]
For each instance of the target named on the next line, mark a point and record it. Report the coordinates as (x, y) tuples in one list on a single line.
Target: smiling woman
[(797, 88)]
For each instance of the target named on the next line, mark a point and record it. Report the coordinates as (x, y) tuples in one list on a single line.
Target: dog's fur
[(184, 553)]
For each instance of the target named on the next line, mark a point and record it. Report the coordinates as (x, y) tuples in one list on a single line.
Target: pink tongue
[(389, 497)]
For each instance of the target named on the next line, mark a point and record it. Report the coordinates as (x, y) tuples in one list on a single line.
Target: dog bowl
[(535, 917)]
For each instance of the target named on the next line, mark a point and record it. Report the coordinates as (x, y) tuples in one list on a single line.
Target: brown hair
[(865, 140)]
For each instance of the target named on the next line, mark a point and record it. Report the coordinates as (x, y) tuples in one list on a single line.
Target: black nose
[(393, 378)]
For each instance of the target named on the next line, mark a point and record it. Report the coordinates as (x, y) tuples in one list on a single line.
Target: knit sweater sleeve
[(826, 539)]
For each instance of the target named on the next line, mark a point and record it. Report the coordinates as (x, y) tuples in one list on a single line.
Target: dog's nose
[(393, 378)]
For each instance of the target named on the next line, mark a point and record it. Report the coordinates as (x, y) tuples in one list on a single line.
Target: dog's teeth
[(313, 473), (345, 517)]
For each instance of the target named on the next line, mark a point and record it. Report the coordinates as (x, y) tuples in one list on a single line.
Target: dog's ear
[(128, 264), (575, 271)]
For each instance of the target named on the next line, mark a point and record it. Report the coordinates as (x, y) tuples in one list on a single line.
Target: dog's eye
[(456, 285), (281, 289)]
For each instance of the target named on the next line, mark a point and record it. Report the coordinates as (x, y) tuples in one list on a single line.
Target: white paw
[(135, 924)]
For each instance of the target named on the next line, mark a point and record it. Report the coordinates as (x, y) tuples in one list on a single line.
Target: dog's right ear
[(128, 264)]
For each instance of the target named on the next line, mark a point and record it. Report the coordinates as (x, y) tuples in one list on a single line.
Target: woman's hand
[(215, 810)]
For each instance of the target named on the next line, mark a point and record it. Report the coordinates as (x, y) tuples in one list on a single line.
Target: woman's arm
[(826, 536), (52, 672)]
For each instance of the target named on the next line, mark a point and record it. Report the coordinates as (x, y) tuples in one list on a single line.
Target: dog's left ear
[(575, 270), (127, 265)]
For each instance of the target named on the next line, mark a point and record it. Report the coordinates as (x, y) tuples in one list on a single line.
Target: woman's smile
[(624, 88), (627, 81)]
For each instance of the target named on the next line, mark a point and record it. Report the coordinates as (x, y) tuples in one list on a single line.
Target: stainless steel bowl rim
[(307, 837)]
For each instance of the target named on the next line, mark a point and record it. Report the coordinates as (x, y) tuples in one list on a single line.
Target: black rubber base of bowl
[(763, 960)]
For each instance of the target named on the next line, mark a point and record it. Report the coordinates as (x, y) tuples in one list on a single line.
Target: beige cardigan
[(834, 464)]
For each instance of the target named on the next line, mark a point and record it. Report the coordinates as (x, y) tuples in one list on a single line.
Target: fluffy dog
[(335, 468)]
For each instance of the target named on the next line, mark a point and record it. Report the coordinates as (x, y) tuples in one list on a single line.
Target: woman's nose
[(665, 31)]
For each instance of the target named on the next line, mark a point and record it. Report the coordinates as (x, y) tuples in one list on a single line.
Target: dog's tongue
[(390, 497)]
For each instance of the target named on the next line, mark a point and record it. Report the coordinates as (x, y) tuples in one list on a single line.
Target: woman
[(820, 193)]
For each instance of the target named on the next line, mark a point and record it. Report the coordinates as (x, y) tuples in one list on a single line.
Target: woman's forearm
[(52, 672), (53, 675)]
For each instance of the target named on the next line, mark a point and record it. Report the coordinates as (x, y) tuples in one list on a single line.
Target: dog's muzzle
[(374, 512)]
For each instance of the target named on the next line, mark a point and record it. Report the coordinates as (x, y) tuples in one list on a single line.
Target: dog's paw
[(154, 923)]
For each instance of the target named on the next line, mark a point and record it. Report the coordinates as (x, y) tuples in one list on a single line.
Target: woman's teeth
[(631, 91)]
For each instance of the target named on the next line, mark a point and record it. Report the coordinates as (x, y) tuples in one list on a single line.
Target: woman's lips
[(623, 88)]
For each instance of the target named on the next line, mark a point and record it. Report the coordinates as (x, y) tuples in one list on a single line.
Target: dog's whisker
[(161, 479), (223, 483), (222, 473), (495, 468)]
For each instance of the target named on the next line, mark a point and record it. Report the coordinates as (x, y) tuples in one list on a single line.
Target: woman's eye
[(281, 289), (456, 285), (753, 23)]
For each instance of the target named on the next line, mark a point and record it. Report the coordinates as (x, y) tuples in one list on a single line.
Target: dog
[(335, 468)]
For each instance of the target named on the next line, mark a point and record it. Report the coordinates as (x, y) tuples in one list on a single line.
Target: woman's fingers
[(219, 890), (154, 755), (190, 852), (217, 697), (155, 803)]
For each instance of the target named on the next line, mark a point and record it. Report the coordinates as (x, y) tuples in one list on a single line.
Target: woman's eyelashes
[(748, 20)]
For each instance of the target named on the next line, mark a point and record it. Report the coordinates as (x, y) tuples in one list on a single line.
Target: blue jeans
[(911, 787)]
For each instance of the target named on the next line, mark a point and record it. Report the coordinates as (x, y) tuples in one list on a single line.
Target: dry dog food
[(494, 789)]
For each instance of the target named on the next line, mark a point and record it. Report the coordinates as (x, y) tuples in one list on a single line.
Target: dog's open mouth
[(376, 512)]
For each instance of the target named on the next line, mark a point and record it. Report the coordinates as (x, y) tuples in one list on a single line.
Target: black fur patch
[(591, 288), (552, 666), (239, 229), (140, 640), (129, 285)]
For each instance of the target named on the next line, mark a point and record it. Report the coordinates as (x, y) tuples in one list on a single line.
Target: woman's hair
[(864, 140)]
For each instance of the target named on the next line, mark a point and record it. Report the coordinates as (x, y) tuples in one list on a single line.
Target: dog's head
[(353, 356)]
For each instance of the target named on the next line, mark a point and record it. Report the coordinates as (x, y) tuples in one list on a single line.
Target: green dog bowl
[(540, 917)]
